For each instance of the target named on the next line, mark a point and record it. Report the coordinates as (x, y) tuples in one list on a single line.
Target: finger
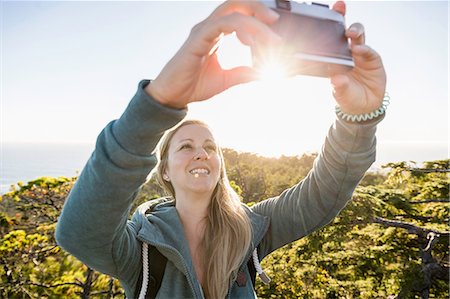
[(339, 84), (364, 51), (342, 89), (248, 8), (365, 57), (356, 34), (247, 29), (339, 7), (239, 75)]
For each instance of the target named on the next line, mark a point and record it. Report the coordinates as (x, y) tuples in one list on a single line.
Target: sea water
[(22, 162)]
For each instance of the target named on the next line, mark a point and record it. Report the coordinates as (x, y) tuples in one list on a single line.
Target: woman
[(205, 233)]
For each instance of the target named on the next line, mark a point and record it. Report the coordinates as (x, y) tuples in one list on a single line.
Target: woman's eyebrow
[(192, 140), (185, 139)]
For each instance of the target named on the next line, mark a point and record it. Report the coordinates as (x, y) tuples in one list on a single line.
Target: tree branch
[(411, 228), (418, 217), (431, 269), (437, 200), (427, 170), (47, 286), (110, 294)]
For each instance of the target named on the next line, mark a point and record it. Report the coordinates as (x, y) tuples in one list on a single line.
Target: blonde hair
[(227, 235)]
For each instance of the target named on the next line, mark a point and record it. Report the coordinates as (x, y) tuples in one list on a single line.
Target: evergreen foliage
[(391, 241)]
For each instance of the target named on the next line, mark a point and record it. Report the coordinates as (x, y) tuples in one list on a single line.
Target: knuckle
[(360, 27), (197, 27), (234, 16), (234, 20)]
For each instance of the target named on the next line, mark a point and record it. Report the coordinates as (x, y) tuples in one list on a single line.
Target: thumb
[(239, 75), (340, 85)]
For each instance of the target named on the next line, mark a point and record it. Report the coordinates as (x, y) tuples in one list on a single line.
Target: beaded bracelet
[(365, 116)]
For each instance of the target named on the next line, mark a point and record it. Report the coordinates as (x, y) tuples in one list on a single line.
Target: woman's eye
[(186, 146), (211, 148)]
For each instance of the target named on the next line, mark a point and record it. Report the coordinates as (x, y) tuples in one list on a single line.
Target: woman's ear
[(166, 177)]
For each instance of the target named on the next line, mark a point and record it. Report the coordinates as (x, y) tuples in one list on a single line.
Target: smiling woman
[(190, 162), (212, 242), (192, 171)]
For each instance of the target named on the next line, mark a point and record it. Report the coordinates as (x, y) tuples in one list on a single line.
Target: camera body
[(314, 41)]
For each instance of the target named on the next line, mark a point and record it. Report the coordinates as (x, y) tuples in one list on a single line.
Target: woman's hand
[(362, 89), (194, 73)]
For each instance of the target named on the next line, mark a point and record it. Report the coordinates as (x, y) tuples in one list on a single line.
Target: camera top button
[(284, 4)]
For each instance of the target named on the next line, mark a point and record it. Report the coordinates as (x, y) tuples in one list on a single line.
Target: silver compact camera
[(314, 41)]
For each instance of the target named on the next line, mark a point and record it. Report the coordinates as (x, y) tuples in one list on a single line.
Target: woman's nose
[(201, 154)]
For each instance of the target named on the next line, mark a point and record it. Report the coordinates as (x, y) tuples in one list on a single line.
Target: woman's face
[(193, 161)]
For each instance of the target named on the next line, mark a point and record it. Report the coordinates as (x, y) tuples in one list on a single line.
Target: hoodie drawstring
[(145, 270), (265, 279)]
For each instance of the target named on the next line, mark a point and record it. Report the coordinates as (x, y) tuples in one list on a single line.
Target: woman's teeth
[(199, 170), (196, 172)]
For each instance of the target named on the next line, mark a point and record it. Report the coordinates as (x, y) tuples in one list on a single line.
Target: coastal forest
[(390, 241)]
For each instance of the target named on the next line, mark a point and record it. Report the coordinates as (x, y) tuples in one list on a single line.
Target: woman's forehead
[(195, 132)]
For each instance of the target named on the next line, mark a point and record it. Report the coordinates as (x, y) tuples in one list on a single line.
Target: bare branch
[(47, 286), (411, 228), (428, 170), (26, 292), (437, 200), (432, 239), (418, 217), (110, 294), (88, 283)]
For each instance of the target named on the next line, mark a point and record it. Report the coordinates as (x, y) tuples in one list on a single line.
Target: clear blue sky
[(68, 68)]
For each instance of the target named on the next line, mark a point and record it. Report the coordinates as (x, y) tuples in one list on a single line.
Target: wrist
[(362, 117), (152, 90)]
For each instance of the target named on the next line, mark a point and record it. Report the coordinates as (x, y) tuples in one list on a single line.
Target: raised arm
[(348, 152), (92, 225)]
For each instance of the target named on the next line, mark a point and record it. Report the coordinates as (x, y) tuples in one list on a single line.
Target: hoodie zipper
[(170, 248)]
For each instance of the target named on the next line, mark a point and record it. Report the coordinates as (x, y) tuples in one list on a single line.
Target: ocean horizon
[(23, 162)]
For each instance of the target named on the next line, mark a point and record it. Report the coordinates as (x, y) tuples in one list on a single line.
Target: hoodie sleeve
[(93, 223), (348, 151)]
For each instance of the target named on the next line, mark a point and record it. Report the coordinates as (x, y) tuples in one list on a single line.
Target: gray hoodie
[(94, 225)]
